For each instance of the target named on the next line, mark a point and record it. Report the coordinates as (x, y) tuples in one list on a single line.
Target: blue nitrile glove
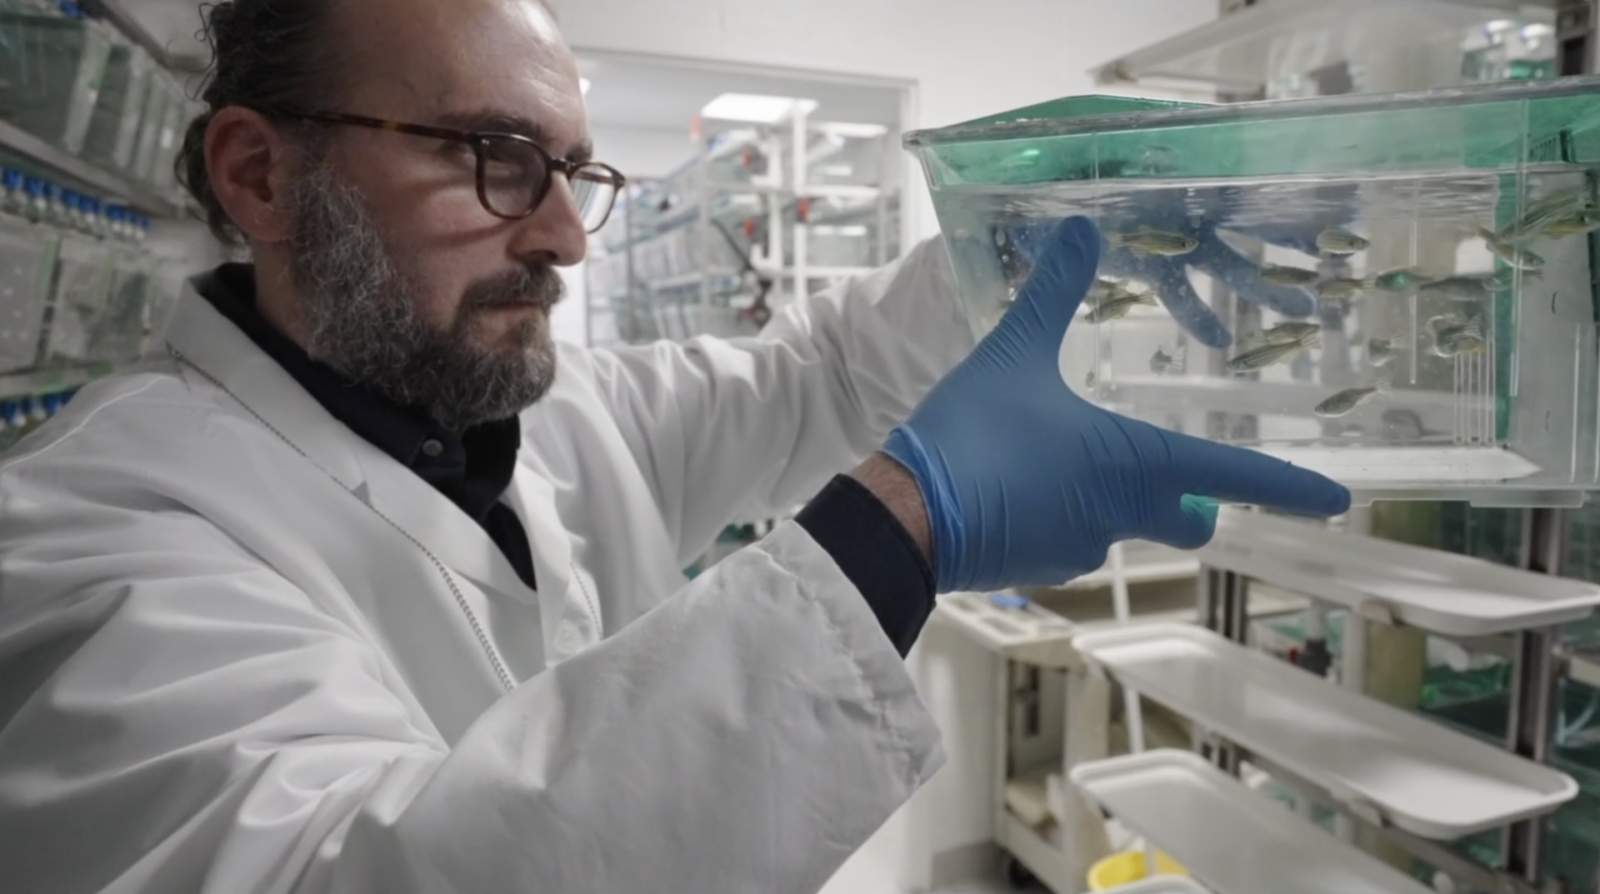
[(1027, 483), (1200, 213)]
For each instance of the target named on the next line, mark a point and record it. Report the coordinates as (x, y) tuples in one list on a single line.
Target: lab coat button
[(569, 640)]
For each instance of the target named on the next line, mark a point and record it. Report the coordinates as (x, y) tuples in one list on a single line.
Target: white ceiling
[(625, 93), (175, 23), (668, 95)]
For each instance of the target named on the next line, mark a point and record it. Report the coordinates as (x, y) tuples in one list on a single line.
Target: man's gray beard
[(360, 312)]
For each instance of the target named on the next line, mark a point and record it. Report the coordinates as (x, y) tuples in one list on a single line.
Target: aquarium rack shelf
[(1231, 839), (1233, 53), (32, 382), (59, 164), (1384, 763), (1393, 582)]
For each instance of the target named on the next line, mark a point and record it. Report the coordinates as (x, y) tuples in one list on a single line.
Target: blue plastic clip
[(1009, 600)]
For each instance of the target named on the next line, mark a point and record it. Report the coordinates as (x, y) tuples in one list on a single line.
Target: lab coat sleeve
[(181, 719), (748, 428)]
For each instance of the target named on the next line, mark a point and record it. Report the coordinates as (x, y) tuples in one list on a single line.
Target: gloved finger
[(1177, 295), (1236, 475), (1189, 524), (1063, 270), (1223, 263)]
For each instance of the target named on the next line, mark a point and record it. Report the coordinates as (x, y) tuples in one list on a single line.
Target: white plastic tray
[(1384, 763), (1424, 588), (1229, 838), (1166, 884)]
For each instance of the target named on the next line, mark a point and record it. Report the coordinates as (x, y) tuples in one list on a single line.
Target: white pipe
[(1317, 620), (1130, 697), (1353, 676)]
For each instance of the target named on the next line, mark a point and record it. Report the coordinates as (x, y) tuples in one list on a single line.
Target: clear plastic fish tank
[(1398, 290)]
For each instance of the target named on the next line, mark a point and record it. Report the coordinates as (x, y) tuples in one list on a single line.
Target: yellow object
[(1121, 869)]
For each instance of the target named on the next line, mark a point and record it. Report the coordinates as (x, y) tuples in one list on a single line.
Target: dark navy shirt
[(474, 469)]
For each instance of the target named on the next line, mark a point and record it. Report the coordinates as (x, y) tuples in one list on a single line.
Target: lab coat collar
[(216, 349)]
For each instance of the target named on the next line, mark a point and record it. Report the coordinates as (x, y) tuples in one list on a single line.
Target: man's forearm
[(890, 482), (873, 524)]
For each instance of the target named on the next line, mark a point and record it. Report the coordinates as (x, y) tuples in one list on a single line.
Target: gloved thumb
[(1063, 270)]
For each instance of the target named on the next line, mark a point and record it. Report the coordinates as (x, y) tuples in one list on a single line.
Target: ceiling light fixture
[(757, 108), (853, 131)]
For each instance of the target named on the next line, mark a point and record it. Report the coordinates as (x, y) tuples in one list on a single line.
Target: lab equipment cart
[(1049, 714)]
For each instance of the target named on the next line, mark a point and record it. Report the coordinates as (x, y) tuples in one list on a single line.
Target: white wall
[(968, 58), (642, 152)]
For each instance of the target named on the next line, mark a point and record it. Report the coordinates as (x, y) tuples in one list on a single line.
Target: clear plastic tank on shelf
[(51, 70), (113, 134), (83, 286), (27, 264), (120, 329), (153, 124), (846, 155), (1397, 290)]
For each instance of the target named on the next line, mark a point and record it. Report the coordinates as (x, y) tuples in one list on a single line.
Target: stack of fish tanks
[(1396, 290)]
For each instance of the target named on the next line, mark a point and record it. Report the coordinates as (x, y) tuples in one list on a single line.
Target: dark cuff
[(876, 552)]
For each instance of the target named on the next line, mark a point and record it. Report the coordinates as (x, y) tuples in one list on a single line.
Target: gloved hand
[(1201, 213), (1027, 483)]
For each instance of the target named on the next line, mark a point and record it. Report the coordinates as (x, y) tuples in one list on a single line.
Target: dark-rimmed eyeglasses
[(514, 172)]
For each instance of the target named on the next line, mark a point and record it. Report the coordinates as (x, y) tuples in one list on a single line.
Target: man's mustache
[(532, 285)]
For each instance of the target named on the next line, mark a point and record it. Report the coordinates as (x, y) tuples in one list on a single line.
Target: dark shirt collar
[(472, 469)]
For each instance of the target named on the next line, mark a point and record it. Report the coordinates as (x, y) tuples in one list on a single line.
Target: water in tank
[(1397, 290)]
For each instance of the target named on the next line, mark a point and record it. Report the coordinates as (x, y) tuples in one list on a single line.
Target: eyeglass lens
[(515, 176)]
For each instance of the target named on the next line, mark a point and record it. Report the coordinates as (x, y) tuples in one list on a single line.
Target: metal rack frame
[(1538, 666), (788, 182)]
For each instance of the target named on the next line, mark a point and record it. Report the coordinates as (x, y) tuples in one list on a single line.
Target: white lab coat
[(242, 650)]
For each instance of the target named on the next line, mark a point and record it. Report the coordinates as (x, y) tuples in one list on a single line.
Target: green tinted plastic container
[(1491, 391), (51, 72), (114, 128)]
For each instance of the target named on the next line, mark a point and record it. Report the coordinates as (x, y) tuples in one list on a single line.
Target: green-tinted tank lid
[(1082, 107), (1103, 114), (1066, 109)]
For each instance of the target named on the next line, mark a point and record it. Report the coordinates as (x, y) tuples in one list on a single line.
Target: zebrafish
[(1336, 241), (1454, 335), (1164, 364), (1382, 350), (1147, 241), (1585, 221), (1456, 341), (1472, 287), (1510, 252), (1280, 275), (1405, 279), (1104, 288), (1270, 353), (1284, 333), (1339, 289), (1538, 217), (1347, 400), (1117, 307)]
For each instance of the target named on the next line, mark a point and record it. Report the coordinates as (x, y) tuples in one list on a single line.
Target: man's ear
[(250, 164)]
